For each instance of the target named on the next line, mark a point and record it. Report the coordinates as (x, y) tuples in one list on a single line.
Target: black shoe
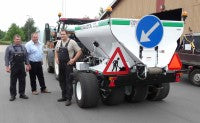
[(23, 96), (68, 102), (12, 98), (62, 100)]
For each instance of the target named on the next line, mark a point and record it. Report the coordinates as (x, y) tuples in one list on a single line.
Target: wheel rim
[(197, 78), (56, 68), (78, 90)]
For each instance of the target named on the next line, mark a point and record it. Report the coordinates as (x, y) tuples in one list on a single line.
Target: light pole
[(28, 33)]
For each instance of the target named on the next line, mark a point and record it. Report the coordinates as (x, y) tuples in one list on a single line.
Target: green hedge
[(5, 42)]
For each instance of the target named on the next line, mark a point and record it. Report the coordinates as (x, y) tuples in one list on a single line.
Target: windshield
[(190, 40)]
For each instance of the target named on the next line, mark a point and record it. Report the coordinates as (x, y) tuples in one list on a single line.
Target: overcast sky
[(46, 11)]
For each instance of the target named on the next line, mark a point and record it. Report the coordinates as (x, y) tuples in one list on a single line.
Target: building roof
[(174, 14), (113, 5), (78, 21)]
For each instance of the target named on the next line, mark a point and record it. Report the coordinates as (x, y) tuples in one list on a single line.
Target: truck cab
[(52, 34)]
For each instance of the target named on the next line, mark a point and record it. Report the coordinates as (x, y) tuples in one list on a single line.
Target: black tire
[(194, 77), (56, 70), (115, 97), (86, 90), (50, 69), (56, 76), (138, 94), (158, 94), (49, 61)]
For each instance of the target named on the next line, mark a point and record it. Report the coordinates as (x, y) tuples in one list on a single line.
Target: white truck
[(129, 59)]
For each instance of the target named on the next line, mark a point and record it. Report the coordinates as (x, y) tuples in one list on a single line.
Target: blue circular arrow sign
[(149, 31)]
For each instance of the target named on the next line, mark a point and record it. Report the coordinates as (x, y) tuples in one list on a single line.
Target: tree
[(29, 28), (2, 34), (14, 29)]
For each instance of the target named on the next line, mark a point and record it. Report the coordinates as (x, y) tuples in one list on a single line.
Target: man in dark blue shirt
[(15, 57)]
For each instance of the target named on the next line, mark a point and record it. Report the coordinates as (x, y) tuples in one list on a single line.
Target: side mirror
[(46, 33)]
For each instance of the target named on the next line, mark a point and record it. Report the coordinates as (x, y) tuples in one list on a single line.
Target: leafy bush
[(5, 42)]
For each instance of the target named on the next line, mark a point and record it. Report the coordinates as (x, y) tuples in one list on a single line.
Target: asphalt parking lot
[(181, 106)]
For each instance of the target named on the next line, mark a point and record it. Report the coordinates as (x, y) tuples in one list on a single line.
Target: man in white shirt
[(35, 55)]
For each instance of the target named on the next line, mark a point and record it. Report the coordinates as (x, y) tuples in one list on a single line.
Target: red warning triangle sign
[(175, 63), (114, 62)]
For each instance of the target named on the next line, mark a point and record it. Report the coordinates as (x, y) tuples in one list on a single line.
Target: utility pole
[(28, 28), (64, 8)]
